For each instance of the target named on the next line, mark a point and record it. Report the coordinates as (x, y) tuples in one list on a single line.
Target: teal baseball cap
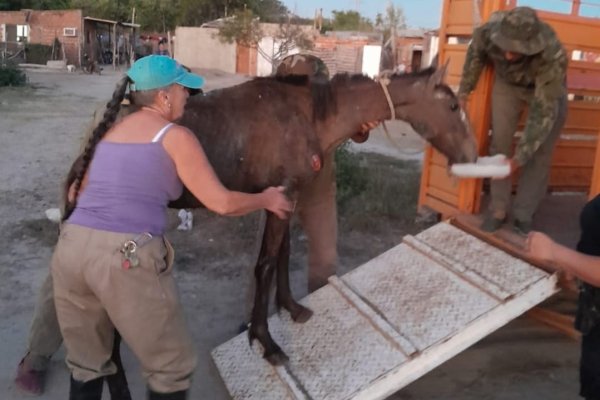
[(155, 72)]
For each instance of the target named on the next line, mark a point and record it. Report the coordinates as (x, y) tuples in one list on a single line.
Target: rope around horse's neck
[(384, 81)]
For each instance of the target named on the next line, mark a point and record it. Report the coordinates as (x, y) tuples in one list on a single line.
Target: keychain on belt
[(129, 248)]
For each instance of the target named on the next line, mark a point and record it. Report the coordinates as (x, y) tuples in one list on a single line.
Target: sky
[(420, 13)]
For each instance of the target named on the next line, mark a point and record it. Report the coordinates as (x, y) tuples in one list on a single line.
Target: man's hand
[(363, 134), (514, 166)]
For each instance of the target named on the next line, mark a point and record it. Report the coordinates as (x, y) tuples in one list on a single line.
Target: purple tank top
[(129, 187)]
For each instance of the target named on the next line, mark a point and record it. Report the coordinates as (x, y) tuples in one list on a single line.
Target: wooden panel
[(460, 18), (595, 185), (456, 53), (574, 32), (439, 179)]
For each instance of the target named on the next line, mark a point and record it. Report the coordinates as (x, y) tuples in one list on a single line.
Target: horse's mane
[(322, 90), (322, 97)]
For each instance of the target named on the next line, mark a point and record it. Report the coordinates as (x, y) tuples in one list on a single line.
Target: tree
[(393, 21), (15, 5), (244, 28), (157, 15), (350, 21)]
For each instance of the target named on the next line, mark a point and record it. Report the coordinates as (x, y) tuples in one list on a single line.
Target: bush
[(11, 75), (350, 176), (38, 53)]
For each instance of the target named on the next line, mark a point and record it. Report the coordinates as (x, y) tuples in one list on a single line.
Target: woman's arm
[(198, 176), (583, 266)]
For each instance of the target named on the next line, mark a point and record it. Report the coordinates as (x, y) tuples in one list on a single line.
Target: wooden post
[(575, 6), (169, 43), (595, 186), (114, 46)]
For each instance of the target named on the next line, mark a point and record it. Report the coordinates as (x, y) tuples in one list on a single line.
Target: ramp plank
[(391, 320)]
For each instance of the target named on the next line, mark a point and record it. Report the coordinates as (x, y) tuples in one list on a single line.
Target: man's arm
[(475, 61), (543, 110)]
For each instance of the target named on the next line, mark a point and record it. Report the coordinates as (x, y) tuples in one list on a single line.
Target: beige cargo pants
[(93, 294), (508, 103)]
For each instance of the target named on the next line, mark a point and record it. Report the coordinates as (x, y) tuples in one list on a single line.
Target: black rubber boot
[(181, 395), (90, 390)]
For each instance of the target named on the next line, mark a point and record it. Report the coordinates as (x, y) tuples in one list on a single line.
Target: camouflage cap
[(302, 64), (519, 31)]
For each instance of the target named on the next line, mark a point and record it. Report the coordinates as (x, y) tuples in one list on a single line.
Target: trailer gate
[(390, 321)]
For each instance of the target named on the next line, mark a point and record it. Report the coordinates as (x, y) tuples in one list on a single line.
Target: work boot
[(522, 227), (90, 390), (181, 395), (29, 380), (492, 223)]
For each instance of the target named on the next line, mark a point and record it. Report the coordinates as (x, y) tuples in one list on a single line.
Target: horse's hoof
[(276, 358), (302, 314)]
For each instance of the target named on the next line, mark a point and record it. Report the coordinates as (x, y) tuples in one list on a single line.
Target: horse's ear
[(435, 61), (438, 75)]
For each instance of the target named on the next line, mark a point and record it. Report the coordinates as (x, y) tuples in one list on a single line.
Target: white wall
[(200, 48), (371, 60)]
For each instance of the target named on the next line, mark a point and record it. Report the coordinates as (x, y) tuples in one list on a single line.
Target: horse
[(276, 131)]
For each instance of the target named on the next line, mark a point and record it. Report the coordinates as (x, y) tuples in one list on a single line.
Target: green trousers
[(508, 103)]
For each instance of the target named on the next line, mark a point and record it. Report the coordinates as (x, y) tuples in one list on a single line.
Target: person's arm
[(543, 110), (198, 176), (583, 266), (475, 61), (365, 129)]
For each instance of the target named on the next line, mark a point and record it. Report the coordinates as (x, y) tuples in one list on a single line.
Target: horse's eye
[(454, 106)]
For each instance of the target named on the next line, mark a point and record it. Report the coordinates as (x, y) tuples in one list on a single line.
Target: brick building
[(42, 27)]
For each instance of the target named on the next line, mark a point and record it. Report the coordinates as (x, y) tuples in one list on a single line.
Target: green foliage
[(38, 53), (15, 5), (160, 15), (11, 75), (350, 175), (394, 19), (243, 28), (350, 21), (391, 191)]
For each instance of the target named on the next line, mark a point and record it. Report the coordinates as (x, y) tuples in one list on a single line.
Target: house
[(200, 47), (43, 27), (79, 36)]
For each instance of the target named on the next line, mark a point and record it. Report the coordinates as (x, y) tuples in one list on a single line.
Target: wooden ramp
[(389, 321)]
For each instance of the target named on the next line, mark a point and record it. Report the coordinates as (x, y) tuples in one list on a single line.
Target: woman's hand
[(277, 202)]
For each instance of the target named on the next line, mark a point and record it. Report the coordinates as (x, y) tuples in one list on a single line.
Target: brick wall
[(44, 26), (340, 54)]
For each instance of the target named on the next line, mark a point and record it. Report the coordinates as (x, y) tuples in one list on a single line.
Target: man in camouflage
[(530, 66)]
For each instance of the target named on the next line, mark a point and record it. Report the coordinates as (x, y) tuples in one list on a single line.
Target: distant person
[(530, 66), (317, 209), (163, 49)]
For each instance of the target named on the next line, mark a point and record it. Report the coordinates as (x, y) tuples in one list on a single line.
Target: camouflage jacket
[(544, 73)]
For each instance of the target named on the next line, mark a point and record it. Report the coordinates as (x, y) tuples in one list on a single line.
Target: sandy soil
[(40, 130)]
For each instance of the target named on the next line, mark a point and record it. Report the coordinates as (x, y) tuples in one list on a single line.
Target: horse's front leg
[(285, 299), (274, 232)]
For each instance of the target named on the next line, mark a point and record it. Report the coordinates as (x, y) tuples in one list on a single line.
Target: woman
[(585, 265), (112, 266)]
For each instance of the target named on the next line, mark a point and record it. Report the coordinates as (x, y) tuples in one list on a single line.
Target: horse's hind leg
[(285, 299), (263, 272)]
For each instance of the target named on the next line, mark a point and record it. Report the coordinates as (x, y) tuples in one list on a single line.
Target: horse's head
[(435, 114)]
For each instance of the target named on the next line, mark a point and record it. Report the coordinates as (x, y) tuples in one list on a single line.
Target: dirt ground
[(40, 130)]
